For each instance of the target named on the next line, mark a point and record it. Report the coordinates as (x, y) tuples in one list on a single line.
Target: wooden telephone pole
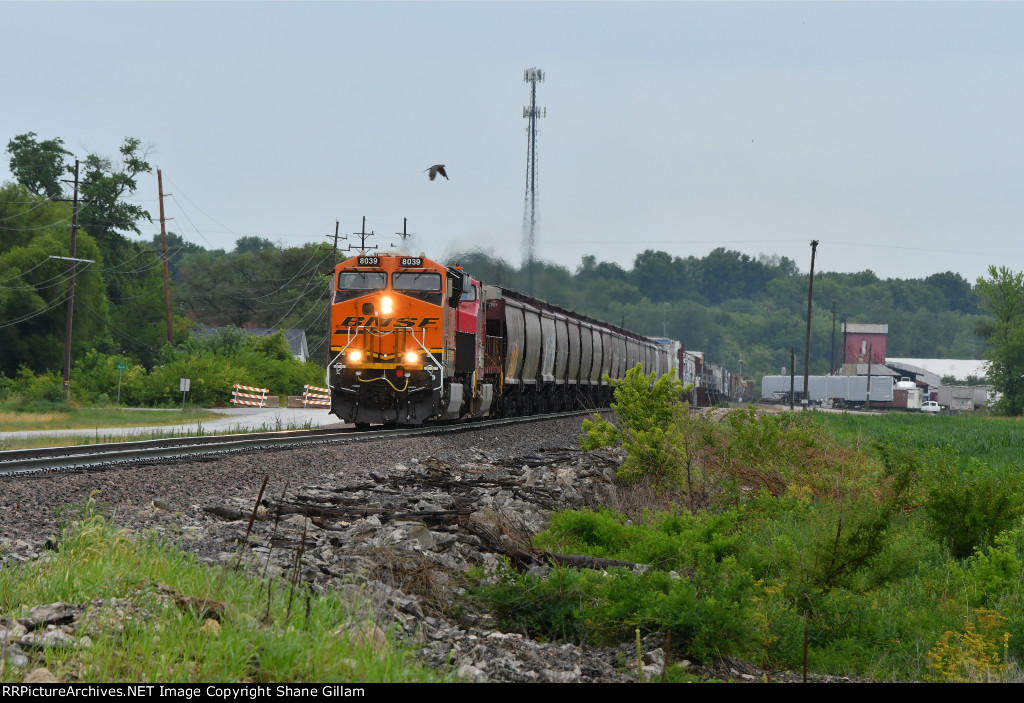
[(71, 290), (807, 349), (163, 241)]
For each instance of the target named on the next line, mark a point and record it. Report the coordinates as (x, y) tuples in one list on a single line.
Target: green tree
[(248, 244), (1002, 294), (38, 165), (658, 275), (131, 272), (34, 287), (105, 186)]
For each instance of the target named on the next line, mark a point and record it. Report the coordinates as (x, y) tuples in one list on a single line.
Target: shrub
[(650, 421), (708, 616), (973, 653), (968, 502)]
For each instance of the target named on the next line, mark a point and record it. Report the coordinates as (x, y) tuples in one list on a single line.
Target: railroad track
[(92, 457)]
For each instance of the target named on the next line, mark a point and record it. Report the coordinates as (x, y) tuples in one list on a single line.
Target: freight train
[(413, 340)]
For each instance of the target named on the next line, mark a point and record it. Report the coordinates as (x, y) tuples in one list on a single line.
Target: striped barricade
[(249, 395), (315, 395)]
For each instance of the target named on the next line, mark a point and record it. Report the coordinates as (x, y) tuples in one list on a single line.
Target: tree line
[(732, 306)]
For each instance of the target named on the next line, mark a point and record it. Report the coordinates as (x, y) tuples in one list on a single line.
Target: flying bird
[(434, 170)]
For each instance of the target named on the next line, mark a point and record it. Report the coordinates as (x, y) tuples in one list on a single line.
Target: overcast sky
[(890, 132)]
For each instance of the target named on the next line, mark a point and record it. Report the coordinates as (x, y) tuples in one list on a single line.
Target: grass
[(178, 620), (72, 418), (82, 440)]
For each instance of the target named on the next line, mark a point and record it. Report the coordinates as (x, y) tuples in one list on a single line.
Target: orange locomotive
[(395, 339), (413, 340)]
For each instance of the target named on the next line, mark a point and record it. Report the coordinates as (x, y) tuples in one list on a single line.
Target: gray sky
[(890, 132)]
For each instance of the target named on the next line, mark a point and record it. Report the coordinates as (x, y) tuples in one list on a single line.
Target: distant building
[(960, 369), (860, 341), (296, 338)]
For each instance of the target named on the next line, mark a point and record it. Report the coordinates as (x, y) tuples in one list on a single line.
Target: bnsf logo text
[(356, 321)]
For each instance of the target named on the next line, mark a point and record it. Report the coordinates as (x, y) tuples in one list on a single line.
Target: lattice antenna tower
[(533, 76)]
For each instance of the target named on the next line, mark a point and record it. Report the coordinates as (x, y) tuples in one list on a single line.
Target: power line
[(36, 229), (148, 267), (36, 313), (44, 261), (118, 330), (59, 279), (185, 213), (301, 297), (301, 272), (24, 212)]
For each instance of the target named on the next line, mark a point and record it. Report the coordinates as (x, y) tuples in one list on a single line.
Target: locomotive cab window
[(468, 296), (425, 286), (352, 284)]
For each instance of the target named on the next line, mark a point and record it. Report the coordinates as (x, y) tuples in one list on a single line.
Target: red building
[(861, 340)]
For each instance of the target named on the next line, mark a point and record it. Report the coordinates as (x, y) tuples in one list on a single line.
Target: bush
[(968, 502), (666, 541), (708, 616), (650, 424), (214, 364), (29, 392)]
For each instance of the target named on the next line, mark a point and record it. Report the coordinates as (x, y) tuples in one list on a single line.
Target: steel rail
[(30, 462)]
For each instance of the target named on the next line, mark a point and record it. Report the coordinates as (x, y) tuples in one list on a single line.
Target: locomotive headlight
[(385, 305), (355, 355), (411, 357)]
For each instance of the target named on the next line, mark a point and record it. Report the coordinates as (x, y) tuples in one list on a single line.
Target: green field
[(995, 441)]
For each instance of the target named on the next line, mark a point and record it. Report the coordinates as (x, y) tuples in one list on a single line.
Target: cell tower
[(533, 76)]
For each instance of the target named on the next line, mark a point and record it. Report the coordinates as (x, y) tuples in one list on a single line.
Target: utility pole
[(807, 349), (331, 284), (363, 235), (163, 242), (404, 234), (792, 376), (842, 352), (870, 352), (71, 290), (832, 354)]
